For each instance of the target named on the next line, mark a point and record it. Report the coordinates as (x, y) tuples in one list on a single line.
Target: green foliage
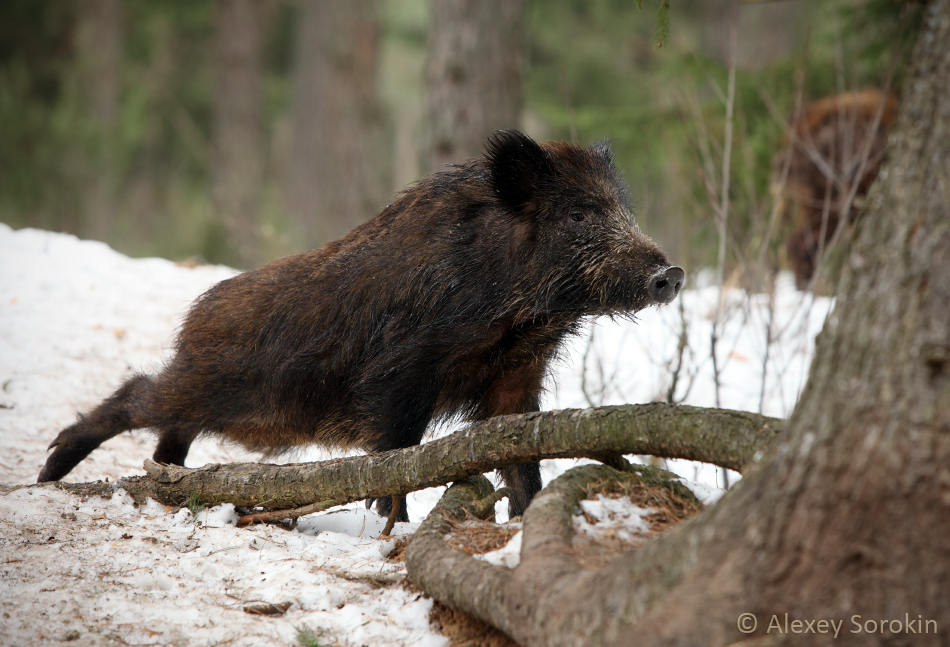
[(662, 23), (194, 504), (595, 69), (306, 637)]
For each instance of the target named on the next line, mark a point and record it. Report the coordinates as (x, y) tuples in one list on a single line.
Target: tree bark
[(340, 162), (728, 438), (237, 174), (473, 77), (846, 520)]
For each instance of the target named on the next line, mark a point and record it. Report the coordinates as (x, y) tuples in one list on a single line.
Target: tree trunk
[(99, 59), (847, 520), (340, 166), (237, 174), (852, 514), (473, 78)]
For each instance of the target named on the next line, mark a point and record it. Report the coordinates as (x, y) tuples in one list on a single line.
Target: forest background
[(238, 131)]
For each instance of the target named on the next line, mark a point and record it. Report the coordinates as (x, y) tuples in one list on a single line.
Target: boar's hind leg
[(123, 411), (173, 446), (524, 480)]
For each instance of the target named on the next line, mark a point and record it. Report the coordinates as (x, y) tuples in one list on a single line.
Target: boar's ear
[(517, 164)]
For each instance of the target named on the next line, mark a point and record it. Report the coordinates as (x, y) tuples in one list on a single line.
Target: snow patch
[(77, 319), (619, 516), (508, 555)]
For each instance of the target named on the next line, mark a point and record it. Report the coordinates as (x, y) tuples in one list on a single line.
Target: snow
[(76, 318), (508, 555), (619, 516), (155, 577)]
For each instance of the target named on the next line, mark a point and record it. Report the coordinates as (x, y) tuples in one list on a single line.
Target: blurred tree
[(112, 119), (237, 168), (99, 64), (474, 75), (340, 161)]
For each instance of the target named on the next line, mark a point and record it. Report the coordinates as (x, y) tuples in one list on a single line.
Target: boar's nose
[(666, 284)]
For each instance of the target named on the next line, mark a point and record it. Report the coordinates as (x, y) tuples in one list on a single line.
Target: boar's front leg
[(516, 391), (403, 413)]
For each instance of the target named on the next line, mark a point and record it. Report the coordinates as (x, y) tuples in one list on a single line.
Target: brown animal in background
[(833, 137), (452, 302)]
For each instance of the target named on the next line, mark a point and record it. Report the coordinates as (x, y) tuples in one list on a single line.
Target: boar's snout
[(666, 284)]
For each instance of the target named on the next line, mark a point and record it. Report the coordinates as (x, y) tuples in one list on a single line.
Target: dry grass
[(476, 537), (668, 508), (463, 630), (398, 553)]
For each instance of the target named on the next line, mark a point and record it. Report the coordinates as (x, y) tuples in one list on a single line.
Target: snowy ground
[(77, 317)]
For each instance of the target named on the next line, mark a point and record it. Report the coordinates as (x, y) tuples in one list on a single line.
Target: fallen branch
[(379, 579), (731, 439)]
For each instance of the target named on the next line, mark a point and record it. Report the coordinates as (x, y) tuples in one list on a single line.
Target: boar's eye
[(577, 216)]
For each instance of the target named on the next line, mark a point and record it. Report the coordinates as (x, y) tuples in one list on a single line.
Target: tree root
[(522, 602)]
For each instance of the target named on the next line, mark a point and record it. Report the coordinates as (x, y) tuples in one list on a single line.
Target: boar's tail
[(123, 411)]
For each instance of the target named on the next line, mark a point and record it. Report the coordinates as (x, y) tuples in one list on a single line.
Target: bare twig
[(588, 349), (768, 347), (393, 515), (682, 346), (722, 219)]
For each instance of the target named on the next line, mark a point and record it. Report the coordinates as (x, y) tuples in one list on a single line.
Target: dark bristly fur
[(451, 302)]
